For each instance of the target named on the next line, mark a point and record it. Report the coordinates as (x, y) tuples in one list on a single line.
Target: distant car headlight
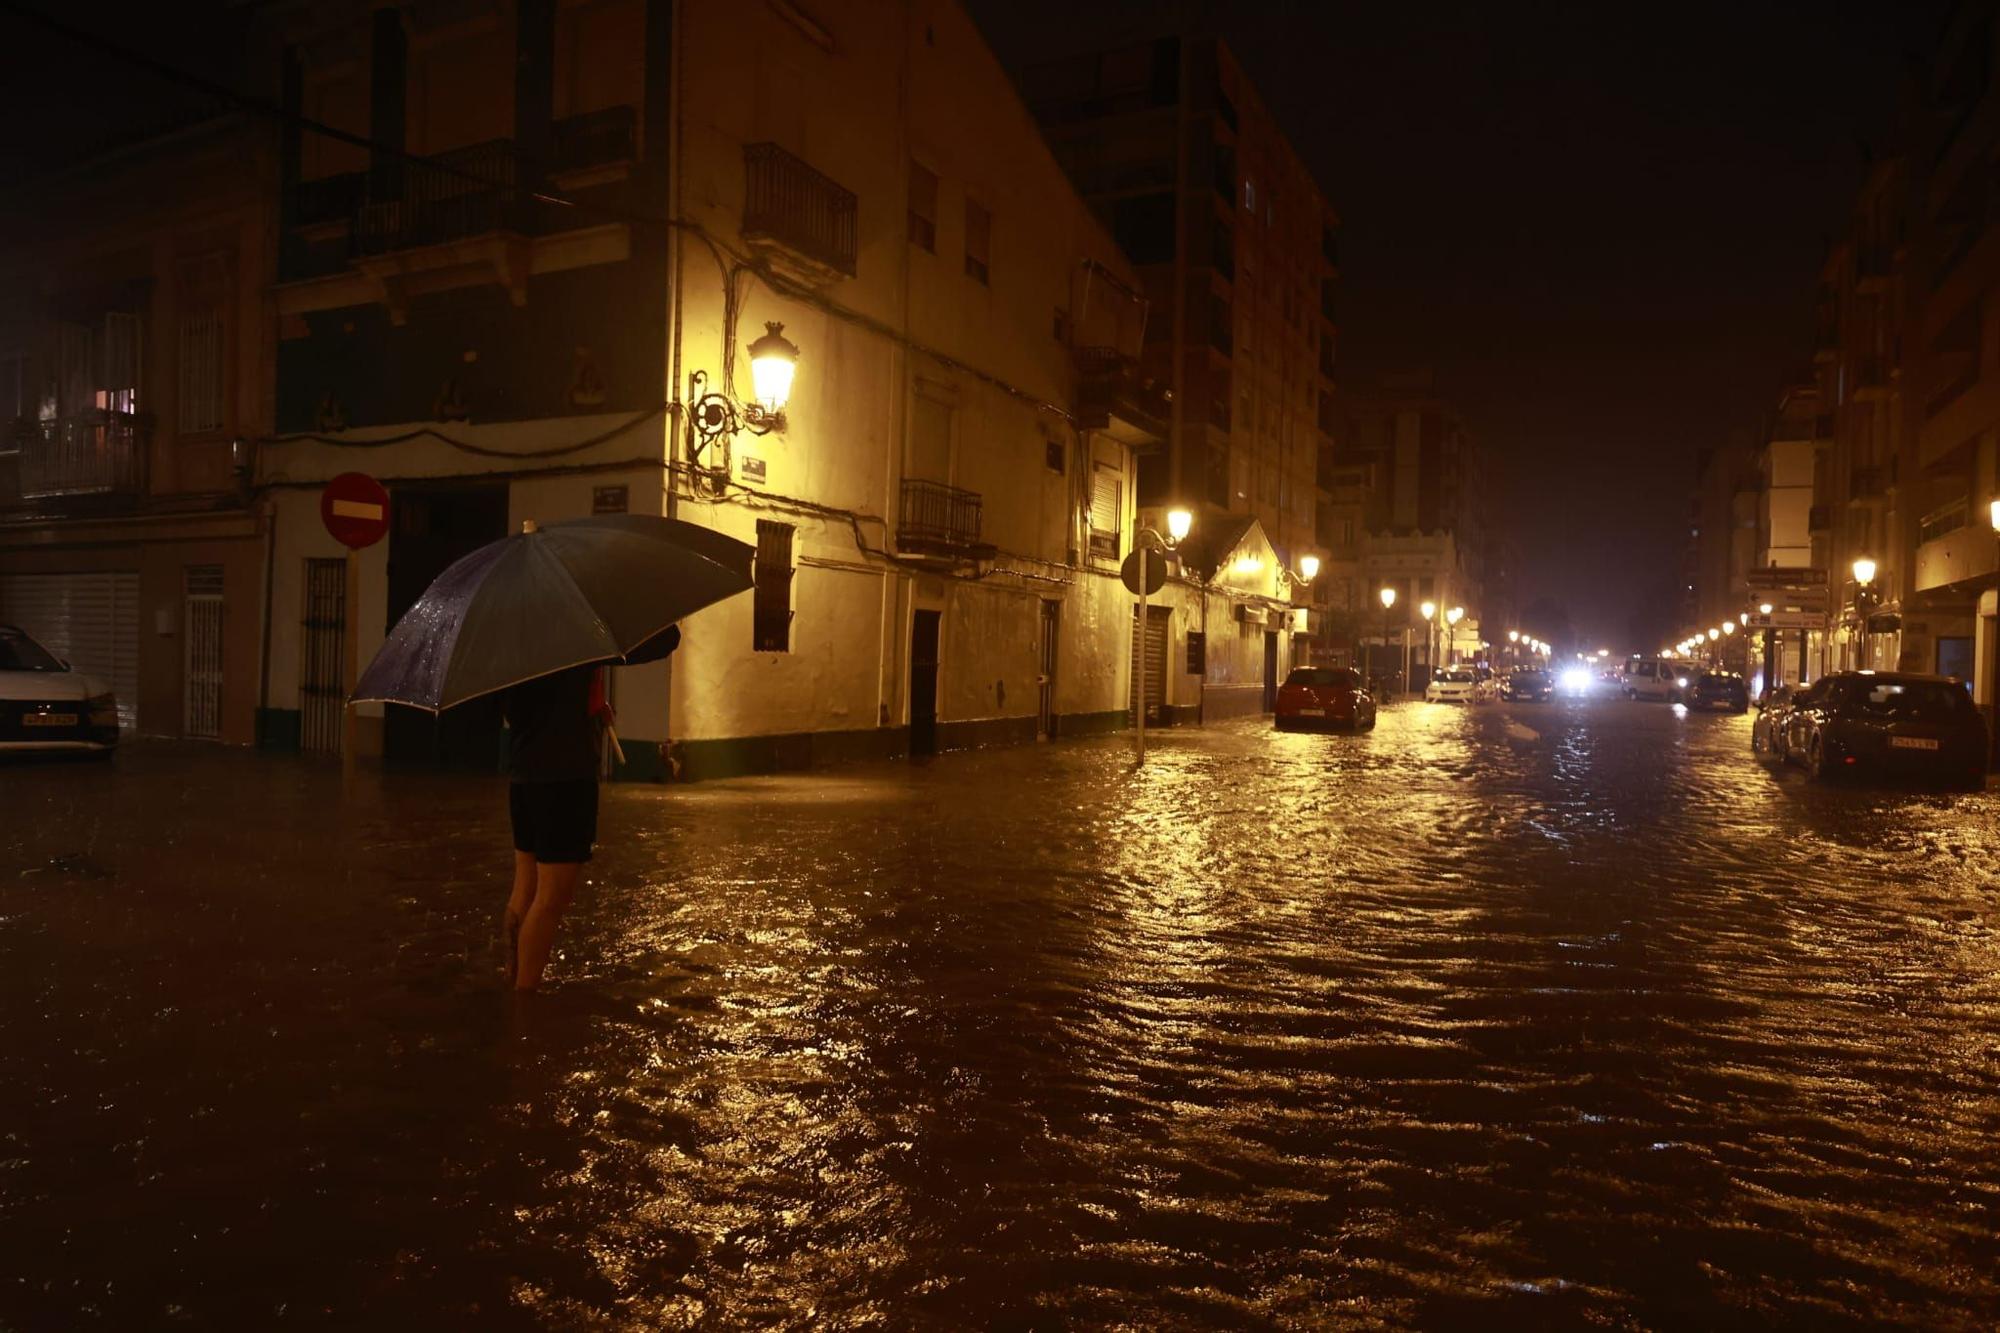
[(1680, 682), (103, 710), (1576, 678)]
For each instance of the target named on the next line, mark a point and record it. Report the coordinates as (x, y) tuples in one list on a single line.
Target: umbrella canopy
[(589, 590)]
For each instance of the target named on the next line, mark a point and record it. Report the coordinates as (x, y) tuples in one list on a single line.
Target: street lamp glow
[(1728, 627), (1388, 598), (1513, 636), (1179, 523), (1428, 609), (1864, 570), (1308, 567), (1764, 608), (773, 358), (1714, 634), (1453, 616), (1994, 511)]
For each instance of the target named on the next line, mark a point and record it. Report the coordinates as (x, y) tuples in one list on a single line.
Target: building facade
[(1238, 251), (135, 343), (521, 283)]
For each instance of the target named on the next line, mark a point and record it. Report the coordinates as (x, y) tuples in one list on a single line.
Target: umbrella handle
[(611, 734)]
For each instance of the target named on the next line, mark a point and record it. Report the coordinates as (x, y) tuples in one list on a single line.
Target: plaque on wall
[(751, 468), (608, 499)]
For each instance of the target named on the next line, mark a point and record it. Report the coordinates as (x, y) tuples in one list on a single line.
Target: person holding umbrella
[(534, 618), (555, 726)]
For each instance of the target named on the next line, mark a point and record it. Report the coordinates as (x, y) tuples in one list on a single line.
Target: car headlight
[(103, 710), (1680, 682), (1576, 678)]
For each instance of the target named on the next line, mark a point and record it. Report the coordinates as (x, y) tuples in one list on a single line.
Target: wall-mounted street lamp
[(713, 415), (1864, 604)]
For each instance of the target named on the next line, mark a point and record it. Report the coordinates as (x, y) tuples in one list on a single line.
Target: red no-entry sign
[(355, 509)]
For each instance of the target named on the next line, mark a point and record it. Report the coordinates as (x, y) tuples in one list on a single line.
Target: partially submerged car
[(46, 705)]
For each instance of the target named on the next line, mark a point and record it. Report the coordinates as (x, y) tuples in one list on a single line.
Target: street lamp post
[(1451, 619), (1864, 574), (1429, 612), (1770, 648), (1179, 521), (1388, 596)]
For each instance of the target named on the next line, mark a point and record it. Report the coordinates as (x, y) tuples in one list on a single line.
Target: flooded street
[(1573, 1014)]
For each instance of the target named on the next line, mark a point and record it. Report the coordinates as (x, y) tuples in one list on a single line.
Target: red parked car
[(1325, 697)]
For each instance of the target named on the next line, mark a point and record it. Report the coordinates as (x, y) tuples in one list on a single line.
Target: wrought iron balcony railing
[(92, 453), (940, 520), (788, 203), (470, 192)]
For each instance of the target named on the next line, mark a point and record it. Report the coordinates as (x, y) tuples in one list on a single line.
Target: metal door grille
[(1155, 647), (322, 645), (201, 675)]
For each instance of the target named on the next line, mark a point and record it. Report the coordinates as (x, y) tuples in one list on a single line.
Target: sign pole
[(351, 633), (1139, 647)]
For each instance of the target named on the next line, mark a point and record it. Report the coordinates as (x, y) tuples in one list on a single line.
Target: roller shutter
[(92, 620)]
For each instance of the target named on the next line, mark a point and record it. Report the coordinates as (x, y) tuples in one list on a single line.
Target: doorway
[(924, 682), (429, 530), (1153, 644), (1270, 671), (201, 657), (1045, 720), (322, 648)]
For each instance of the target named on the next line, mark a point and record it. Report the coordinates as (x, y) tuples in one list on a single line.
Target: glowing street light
[(1763, 608), (1308, 568), (1179, 523)]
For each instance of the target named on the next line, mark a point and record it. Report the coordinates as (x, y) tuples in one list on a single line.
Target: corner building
[(542, 317)]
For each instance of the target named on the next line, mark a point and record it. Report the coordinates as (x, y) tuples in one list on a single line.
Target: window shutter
[(772, 606), (1106, 511)]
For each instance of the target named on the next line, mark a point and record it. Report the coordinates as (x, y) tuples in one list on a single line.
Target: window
[(978, 242), (771, 628), (1107, 508), (1197, 652), (923, 208), (13, 399), (198, 402), (1056, 456)]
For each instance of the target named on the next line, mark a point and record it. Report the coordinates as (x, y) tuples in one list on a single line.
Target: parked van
[(1654, 678)]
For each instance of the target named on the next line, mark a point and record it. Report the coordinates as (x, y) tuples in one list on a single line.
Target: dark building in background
[(1171, 146), (135, 344)]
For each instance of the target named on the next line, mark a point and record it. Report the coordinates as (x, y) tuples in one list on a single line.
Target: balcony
[(800, 220), (1112, 396), (91, 454), (1952, 549), (468, 192), (587, 145), (330, 201), (940, 521)]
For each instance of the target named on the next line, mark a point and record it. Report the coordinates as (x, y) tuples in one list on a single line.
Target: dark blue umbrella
[(591, 590)]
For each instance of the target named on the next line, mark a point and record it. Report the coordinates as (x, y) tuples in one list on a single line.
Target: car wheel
[(1371, 720), (1756, 740), (1974, 779), (1816, 768), (1281, 725)]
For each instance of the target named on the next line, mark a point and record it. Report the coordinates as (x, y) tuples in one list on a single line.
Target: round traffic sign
[(1156, 573), (355, 509)]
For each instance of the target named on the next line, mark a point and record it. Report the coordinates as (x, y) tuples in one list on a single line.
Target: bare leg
[(518, 903), (555, 884)]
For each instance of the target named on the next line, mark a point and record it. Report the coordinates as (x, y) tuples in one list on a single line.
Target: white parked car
[(44, 705), (1453, 685)]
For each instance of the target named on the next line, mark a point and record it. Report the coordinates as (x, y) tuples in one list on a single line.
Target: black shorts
[(554, 821)]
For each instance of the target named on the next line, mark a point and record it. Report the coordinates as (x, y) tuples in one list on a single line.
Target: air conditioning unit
[(1247, 614)]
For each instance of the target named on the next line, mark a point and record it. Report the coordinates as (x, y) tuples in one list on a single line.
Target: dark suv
[(1526, 684), (1717, 689)]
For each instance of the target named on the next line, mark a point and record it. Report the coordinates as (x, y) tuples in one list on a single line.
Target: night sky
[(1599, 226)]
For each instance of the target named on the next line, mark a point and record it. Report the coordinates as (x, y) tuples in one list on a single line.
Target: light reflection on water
[(1570, 1013)]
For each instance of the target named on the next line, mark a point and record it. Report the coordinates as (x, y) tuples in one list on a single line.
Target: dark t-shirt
[(551, 734)]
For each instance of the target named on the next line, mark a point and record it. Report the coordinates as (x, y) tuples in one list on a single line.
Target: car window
[(1322, 676), (18, 652), (1463, 677), (1919, 700)]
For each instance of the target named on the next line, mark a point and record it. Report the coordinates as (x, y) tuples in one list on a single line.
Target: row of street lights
[(1863, 570)]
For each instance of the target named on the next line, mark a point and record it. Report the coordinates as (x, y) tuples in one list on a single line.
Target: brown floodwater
[(1573, 1015)]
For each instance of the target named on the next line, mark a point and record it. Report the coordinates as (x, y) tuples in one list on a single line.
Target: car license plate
[(1312, 712), (1912, 743), (48, 719)]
